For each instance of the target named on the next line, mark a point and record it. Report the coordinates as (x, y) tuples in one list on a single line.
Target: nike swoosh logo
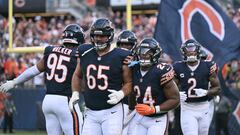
[(113, 112), (158, 120)]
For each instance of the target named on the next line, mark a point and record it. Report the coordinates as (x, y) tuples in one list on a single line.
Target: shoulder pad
[(84, 49), (48, 49), (167, 72), (213, 68), (123, 52)]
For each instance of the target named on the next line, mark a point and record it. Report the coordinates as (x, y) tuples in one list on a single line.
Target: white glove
[(73, 100), (183, 96), (7, 86), (115, 96), (217, 99), (200, 92)]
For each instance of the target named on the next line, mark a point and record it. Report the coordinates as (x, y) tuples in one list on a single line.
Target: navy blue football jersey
[(60, 64), (199, 78), (149, 88), (100, 74)]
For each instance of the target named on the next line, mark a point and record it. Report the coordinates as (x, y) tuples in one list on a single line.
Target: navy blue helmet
[(150, 49), (102, 27), (127, 37), (191, 50), (73, 34)]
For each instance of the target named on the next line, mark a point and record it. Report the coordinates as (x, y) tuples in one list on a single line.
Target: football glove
[(200, 92), (7, 86), (183, 96), (115, 96), (73, 100), (133, 63), (145, 109), (217, 99)]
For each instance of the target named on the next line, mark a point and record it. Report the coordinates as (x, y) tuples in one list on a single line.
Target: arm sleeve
[(27, 75)]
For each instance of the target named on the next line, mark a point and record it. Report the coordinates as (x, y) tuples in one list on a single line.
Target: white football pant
[(103, 122), (127, 119), (195, 118), (143, 125), (59, 119), (211, 109)]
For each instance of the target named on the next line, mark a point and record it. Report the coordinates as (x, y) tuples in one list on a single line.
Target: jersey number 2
[(193, 83)]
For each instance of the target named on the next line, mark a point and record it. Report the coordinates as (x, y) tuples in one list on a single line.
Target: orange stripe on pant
[(75, 122)]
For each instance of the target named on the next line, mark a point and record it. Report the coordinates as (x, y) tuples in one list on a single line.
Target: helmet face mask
[(148, 52), (145, 57), (127, 46), (101, 33), (73, 35), (191, 50)]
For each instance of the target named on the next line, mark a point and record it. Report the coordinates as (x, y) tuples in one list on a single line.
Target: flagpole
[(10, 15), (129, 14)]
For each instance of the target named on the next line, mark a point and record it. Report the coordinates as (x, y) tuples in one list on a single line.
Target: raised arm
[(25, 76)]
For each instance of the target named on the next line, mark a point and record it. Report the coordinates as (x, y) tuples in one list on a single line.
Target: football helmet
[(73, 34), (101, 27), (127, 37), (191, 50), (148, 52)]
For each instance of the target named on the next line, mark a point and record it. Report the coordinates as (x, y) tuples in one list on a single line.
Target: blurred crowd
[(42, 31), (231, 73), (234, 14)]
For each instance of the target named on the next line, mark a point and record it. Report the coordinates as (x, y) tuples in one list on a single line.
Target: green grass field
[(16, 132)]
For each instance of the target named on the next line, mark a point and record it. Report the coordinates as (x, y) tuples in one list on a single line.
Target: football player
[(155, 91), (58, 64), (194, 77), (107, 80), (127, 40)]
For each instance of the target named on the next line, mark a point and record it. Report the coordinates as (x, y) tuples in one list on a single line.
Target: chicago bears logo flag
[(205, 21)]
